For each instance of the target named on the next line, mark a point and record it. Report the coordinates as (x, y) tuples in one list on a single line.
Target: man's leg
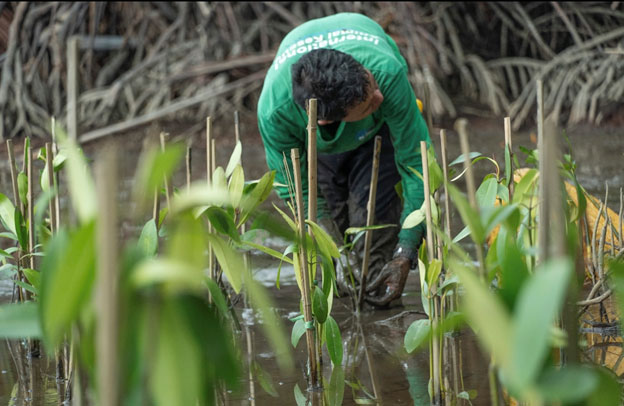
[(387, 203)]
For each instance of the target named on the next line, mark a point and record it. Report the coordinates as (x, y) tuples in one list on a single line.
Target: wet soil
[(399, 378)]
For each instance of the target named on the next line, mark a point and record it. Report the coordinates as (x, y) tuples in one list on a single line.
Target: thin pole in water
[(370, 218), (107, 275), (307, 306)]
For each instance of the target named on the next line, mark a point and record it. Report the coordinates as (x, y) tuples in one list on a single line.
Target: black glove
[(389, 283)]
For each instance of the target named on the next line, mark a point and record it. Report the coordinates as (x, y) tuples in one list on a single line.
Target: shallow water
[(397, 377)]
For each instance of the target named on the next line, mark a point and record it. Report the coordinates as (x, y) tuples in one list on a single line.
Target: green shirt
[(283, 123)]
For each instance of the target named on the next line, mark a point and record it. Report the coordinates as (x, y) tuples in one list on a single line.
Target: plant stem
[(50, 167), (510, 181), (307, 306), (107, 280), (370, 218)]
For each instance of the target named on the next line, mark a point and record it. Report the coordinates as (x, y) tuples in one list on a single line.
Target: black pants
[(344, 181)]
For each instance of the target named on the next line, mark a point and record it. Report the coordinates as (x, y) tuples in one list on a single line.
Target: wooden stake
[(188, 168), (447, 210), (428, 216), (542, 226), (312, 161), (462, 125), (510, 181), (236, 127), (307, 306), (107, 280), (16, 196), (50, 167), (31, 209), (72, 88), (163, 137), (208, 151), (370, 218)]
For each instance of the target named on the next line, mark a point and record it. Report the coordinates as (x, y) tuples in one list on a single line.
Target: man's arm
[(407, 129), (278, 139)]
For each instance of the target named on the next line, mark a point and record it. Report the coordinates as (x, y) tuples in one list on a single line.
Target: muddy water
[(396, 377)]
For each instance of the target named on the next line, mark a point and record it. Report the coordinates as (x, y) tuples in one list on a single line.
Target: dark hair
[(334, 78)]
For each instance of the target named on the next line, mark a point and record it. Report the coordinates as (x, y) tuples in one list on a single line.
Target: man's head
[(344, 89)]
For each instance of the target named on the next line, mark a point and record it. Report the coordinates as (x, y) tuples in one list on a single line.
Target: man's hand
[(390, 282)]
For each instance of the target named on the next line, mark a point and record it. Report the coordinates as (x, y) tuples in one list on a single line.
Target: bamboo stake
[(72, 88), (163, 137), (57, 199), (19, 206), (31, 209), (307, 306), (107, 275), (188, 167), (470, 184), (510, 181), (428, 216), (50, 167), (435, 348), (16, 196), (312, 170), (370, 218), (209, 171), (542, 227), (236, 126), (447, 209)]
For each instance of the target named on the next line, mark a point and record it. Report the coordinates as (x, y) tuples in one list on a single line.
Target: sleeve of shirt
[(407, 130), (278, 139)]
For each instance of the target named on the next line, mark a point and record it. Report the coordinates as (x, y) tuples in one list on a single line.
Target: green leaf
[(67, 277), (433, 272), (334, 340), (539, 302), (34, 278), (148, 241), (571, 384), (468, 215), (272, 326), (608, 390), (235, 159), (7, 214), (26, 286), (79, 180), (175, 276), (319, 305), (465, 232), (236, 186), (22, 186), (218, 178), (460, 159), (486, 194), (176, 372), (263, 378), (326, 244), (487, 315), (525, 187), (417, 334), (300, 397), (22, 232), (256, 196), (335, 391), (298, 331), (222, 222), (231, 261), (154, 166), (19, 320), (415, 218), (217, 296)]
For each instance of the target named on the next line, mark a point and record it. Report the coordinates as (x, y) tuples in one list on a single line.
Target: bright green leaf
[(417, 334), (235, 159), (298, 331), (19, 320), (148, 241), (319, 305), (334, 340)]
